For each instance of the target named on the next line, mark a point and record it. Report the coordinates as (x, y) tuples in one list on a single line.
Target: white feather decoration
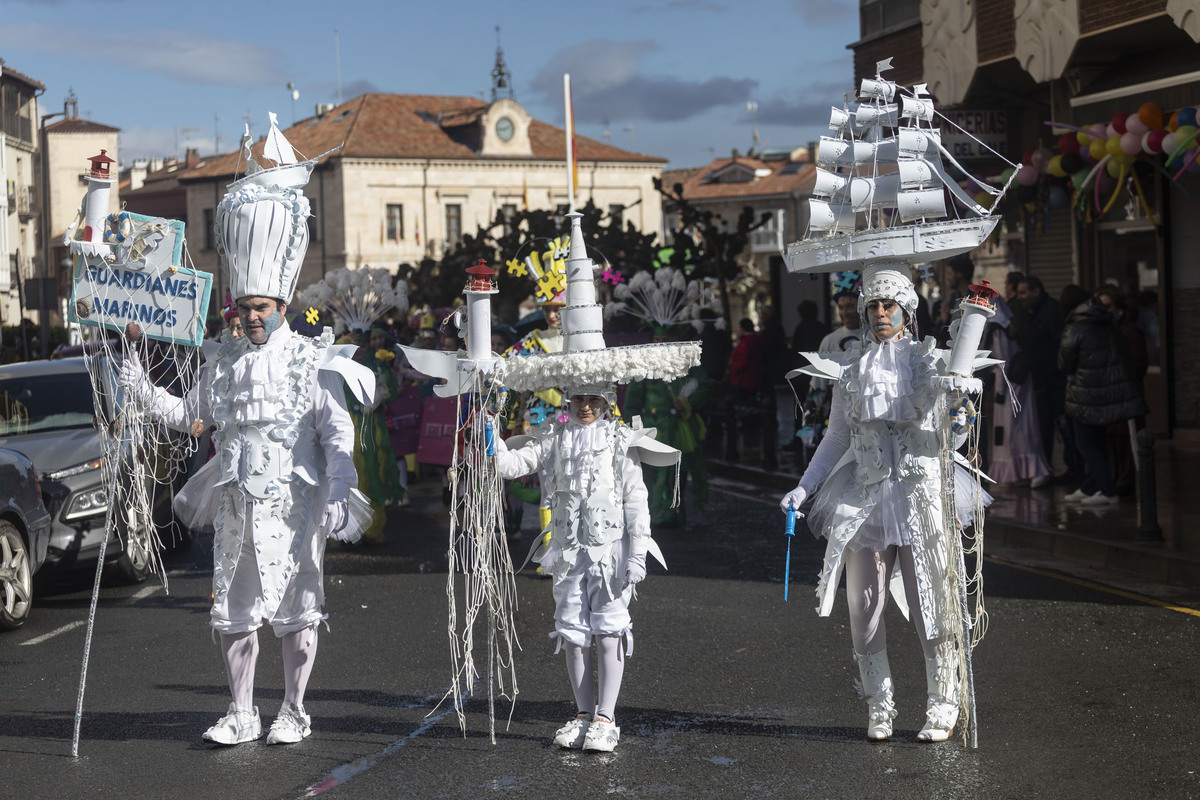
[(357, 297), (664, 297)]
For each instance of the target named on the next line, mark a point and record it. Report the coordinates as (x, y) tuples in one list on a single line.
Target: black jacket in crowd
[(1101, 385)]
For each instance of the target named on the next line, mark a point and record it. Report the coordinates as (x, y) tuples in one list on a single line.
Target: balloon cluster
[(1102, 155)]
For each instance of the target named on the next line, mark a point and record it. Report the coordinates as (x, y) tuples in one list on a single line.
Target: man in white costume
[(876, 477), (280, 482), (599, 538)]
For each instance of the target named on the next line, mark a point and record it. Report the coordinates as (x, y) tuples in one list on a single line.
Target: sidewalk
[(1105, 539)]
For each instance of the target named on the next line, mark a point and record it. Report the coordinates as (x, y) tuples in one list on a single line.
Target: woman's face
[(587, 408), (886, 318)]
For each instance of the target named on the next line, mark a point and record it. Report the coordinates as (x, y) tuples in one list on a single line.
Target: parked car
[(47, 413), (24, 537)]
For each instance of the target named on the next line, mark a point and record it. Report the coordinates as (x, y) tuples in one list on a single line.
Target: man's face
[(235, 327), (847, 309), (260, 316), (1010, 290), (1027, 295), (588, 408), (378, 340)]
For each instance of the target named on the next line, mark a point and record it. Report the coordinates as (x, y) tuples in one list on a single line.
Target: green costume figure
[(374, 457), (674, 409)]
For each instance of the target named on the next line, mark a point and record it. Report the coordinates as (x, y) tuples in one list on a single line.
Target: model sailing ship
[(879, 197)]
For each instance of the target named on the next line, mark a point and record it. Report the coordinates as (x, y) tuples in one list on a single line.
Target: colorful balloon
[(1168, 143), (1118, 122), (1152, 141), (1098, 149), (1084, 139), (1187, 116), (1113, 146), (1134, 125), (1113, 167), (1099, 131), (1131, 144), (1054, 167), (1057, 197), (1072, 163), (1184, 133), (1150, 115), (1067, 143), (1027, 175), (1041, 158)]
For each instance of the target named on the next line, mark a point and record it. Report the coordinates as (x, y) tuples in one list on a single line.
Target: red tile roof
[(76, 125), (10, 72), (786, 177), (411, 126)]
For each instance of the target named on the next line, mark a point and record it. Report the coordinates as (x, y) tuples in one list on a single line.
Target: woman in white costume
[(876, 478), (600, 535)]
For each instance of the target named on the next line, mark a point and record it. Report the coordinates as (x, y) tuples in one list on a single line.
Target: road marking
[(145, 591), (1141, 598), (68, 627)]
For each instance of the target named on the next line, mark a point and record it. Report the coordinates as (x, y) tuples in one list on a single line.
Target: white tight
[(611, 669), (241, 655), (867, 573), (299, 653)]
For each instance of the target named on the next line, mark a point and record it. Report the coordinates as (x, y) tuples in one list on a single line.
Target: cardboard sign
[(138, 283)]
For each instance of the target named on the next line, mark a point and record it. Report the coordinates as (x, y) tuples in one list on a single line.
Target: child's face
[(587, 408)]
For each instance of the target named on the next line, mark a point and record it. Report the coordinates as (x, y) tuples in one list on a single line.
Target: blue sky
[(669, 78)]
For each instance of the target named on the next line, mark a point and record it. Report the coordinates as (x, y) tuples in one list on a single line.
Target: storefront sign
[(990, 127)]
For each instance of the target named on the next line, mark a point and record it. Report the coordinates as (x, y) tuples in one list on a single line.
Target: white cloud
[(181, 55)]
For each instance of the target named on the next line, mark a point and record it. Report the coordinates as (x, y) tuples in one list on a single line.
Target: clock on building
[(504, 129)]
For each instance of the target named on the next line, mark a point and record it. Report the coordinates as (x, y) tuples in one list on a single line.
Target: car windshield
[(45, 403)]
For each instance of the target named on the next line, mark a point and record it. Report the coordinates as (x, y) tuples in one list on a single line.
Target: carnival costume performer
[(877, 480), (600, 520), (282, 480), (374, 456), (599, 538)]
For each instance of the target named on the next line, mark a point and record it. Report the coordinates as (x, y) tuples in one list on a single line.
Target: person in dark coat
[(1101, 389), (1036, 331)]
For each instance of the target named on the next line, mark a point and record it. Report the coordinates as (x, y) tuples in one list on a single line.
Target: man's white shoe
[(1077, 496), (602, 736), (1101, 499), (291, 726), (237, 726), (1040, 481), (571, 735)]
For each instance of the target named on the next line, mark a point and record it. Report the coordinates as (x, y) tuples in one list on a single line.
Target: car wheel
[(16, 582), (134, 560)]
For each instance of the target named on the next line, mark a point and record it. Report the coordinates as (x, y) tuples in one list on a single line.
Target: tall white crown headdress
[(262, 221)]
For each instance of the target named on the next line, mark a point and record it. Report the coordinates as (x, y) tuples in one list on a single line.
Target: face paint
[(272, 323), (898, 317)]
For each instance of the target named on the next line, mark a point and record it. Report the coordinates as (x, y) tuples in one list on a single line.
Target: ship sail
[(276, 146), (881, 186)]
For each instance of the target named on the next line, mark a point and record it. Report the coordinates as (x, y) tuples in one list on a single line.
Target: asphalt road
[(1082, 691)]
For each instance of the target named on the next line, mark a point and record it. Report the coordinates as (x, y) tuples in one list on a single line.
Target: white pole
[(570, 142)]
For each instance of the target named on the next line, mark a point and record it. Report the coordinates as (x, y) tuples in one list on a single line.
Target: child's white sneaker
[(602, 735), (571, 735)]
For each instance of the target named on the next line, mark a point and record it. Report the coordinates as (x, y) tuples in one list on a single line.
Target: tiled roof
[(407, 126), (786, 177), (9, 71), (76, 125)]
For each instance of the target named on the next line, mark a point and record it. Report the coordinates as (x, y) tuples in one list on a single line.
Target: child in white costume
[(879, 503), (600, 535)]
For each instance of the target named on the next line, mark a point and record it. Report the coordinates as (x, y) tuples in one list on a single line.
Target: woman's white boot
[(876, 688), (941, 680)]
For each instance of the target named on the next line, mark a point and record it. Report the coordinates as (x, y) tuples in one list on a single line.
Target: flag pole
[(570, 142)]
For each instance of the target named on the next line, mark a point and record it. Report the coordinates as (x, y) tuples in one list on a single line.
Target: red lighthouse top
[(481, 278), (982, 294), (100, 165)]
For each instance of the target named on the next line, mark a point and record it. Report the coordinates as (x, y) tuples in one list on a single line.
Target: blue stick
[(790, 532)]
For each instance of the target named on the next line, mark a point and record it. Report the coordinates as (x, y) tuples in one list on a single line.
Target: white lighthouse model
[(90, 240), (478, 291), (583, 318)]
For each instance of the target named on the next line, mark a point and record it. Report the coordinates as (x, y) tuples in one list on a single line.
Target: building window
[(395, 222), (314, 230), (878, 16), (453, 223), (507, 212), (616, 216), (210, 229)]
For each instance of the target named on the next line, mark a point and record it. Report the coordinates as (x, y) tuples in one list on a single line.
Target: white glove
[(793, 499), (635, 570), (131, 376), (336, 514)]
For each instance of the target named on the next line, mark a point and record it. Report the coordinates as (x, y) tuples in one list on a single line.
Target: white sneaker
[(237, 726), (1101, 499), (602, 736), (571, 735), (291, 726), (1040, 481), (1077, 496)]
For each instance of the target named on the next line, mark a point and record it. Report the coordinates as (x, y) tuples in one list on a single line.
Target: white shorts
[(583, 608)]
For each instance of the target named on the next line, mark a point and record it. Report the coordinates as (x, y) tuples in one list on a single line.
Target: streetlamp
[(295, 95), (49, 279)]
